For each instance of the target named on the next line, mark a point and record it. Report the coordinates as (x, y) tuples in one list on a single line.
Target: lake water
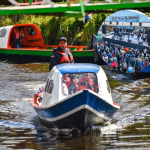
[(21, 129)]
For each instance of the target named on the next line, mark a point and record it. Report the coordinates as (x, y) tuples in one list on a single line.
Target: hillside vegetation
[(53, 27)]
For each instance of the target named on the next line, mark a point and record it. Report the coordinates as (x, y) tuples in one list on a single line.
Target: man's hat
[(62, 38)]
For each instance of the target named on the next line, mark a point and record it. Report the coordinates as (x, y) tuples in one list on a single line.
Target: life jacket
[(77, 87), (66, 58), (84, 85)]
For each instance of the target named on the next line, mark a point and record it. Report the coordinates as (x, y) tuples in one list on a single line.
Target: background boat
[(32, 46)]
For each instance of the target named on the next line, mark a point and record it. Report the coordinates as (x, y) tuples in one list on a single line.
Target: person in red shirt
[(146, 62), (66, 79), (113, 65), (86, 82), (18, 36)]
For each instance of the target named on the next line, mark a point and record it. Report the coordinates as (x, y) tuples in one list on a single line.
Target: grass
[(114, 83), (37, 68)]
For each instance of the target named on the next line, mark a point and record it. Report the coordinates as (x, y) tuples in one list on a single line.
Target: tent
[(128, 18)]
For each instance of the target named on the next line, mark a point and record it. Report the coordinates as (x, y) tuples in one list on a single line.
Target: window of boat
[(31, 31), (49, 86), (3, 32), (74, 82)]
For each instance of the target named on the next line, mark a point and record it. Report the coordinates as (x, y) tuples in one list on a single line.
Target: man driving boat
[(61, 54)]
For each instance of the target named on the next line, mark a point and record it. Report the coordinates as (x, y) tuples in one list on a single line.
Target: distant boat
[(90, 104), (32, 46)]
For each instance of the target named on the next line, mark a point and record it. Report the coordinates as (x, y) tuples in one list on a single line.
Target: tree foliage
[(52, 27)]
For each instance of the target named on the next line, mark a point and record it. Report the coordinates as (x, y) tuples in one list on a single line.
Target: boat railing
[(73, 48)]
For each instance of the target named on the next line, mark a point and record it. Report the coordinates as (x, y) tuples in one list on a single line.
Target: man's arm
[(35, 98), (55, 58), (37, 92), (53, 62)]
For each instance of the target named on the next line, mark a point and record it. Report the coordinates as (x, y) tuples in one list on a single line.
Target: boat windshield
[(73, 82)]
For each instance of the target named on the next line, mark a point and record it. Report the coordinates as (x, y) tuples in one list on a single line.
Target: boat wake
[(12, 124)]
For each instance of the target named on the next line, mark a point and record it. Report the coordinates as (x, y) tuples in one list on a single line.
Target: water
[(21, 128)]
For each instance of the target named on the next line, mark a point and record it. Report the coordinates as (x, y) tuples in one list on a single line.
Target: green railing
[(29, 1), (73, 8), (95, 1)]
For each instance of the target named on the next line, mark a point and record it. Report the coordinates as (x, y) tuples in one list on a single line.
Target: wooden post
[(69, 1)]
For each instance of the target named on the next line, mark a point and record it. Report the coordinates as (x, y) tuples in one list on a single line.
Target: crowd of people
[(123, 58), (120, 33)]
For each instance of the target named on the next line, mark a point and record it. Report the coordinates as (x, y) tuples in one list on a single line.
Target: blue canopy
[(125, 27), (128, 16), (77, 68)]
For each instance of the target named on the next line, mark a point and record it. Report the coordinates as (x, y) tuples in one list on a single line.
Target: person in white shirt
[(37, 92), (42, 88)]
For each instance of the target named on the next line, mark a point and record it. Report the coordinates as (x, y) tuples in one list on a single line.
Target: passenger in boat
[(73, 87), (137, 66), (37, 92), (86, 82), (61, 54), (65, 89), (146, 62), (18, 36), (66, 79), (42, 89)]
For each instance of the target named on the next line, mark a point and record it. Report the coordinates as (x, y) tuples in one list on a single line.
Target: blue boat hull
[(144, 73), (79, 111)]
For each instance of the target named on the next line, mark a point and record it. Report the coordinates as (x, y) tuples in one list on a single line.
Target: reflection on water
[(21, 128)]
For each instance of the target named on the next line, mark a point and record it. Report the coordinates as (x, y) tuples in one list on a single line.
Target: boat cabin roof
[(77, 68), (31, 36)]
